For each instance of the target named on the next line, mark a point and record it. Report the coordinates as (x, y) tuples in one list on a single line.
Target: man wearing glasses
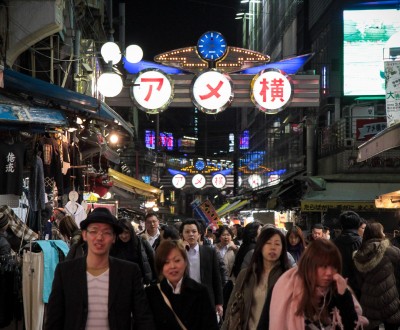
[(152, 231), (98, 291)]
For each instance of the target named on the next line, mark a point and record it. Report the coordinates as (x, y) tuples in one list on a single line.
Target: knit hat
[(3, 220), (101, 215), (349, 220)]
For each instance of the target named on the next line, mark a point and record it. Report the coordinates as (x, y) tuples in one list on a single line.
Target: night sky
[(160, 26)]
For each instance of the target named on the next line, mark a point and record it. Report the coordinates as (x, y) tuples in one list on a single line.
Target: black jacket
[(193, 306), (348, 242), (68, 303)]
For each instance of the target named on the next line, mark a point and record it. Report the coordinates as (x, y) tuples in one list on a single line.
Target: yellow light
[(114, 138)]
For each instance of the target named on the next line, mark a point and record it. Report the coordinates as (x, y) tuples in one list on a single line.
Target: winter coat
[(378, 266), (348, 242)]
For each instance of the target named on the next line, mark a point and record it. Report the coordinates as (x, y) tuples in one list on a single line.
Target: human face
[(99, 238), (325, 276), (125, 236), (361, 229), (272, 249), (174, 267), (317, 233), (294, 239), (191, 235), (225, 238), (152, 224)]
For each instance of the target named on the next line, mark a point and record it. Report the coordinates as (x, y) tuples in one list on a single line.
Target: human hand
[(220, 310), (341, 283)]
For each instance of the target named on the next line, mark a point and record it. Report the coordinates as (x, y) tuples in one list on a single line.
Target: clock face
[(200, 165), (211, 46), (199, 181)]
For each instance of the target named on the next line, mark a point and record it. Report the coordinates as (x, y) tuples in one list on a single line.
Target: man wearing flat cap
[(98, 291), (5, 247)]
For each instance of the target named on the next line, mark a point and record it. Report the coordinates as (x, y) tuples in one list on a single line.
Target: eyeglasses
[(95, 233)]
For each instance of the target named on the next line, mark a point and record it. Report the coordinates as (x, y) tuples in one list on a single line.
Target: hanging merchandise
[(12, 158)]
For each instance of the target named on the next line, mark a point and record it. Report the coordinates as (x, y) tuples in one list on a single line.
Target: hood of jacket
[(370, 255)]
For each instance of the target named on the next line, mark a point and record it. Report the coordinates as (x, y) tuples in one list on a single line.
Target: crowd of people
[(252, 277)]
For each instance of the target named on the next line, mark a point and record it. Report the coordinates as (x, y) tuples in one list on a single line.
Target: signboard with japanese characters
[(392, 78), (218, 181), (152, 91), (198, 181), (323, 206), (367, 128), (178, 181), (212, 91), (271, 90)]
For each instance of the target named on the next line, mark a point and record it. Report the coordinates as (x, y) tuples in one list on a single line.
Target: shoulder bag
[(170, 306), (235, 313)]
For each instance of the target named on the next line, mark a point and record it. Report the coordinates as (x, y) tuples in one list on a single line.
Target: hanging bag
[(170, 306), (234, 317)]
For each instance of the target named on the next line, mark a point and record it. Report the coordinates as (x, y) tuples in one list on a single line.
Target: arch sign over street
[(213, 76)]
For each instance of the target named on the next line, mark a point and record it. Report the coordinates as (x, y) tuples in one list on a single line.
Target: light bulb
[(133, 54), (109, 84), (111, 52)]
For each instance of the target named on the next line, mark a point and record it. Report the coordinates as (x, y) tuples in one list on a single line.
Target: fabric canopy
[(130, 184)]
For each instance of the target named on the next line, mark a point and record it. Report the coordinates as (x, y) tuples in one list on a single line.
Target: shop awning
[(385, 140), (19, 112), (66, 99), (128, 183), (346, 196), (235, 206)]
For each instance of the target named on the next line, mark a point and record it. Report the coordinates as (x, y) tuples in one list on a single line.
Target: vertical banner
[(206, 212), (392, 79)]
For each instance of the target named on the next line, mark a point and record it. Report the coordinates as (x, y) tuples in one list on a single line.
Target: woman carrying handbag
[(178, 302)]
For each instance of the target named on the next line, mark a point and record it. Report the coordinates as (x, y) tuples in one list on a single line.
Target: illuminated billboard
[(366, 33)]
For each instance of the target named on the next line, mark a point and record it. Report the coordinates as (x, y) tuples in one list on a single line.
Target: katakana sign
[(152, 91), (271, 90), (212, 91)]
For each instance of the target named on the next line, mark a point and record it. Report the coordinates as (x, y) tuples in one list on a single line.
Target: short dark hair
[(170, 232), (151, 214), (190, 222), (318, 226), (349, 220)]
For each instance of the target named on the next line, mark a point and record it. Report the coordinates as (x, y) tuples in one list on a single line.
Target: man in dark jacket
[(347, 242), (98, 291)]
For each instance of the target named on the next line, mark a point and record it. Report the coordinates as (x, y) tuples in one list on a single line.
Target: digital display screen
[(150, 139), (167, 141), (244, 140), (366, 44)]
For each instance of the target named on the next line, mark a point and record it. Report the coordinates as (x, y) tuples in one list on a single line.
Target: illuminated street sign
[(271, 90), (178, 181), (218, 181), (255, 181), (212, 92), (152, 91), (199, 181)]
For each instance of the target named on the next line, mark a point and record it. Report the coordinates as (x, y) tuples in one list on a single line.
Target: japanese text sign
[(271, 90), (212, 91), (152, 90)]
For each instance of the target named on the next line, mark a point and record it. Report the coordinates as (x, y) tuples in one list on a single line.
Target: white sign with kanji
[(152, 90), (218, 181), (271, 90), (212, 92)]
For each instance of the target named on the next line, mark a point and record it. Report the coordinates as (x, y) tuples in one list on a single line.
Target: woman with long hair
[(268, 263), (250, 234), (179, 302), (313, 295), (377, 265), (295, 242)]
